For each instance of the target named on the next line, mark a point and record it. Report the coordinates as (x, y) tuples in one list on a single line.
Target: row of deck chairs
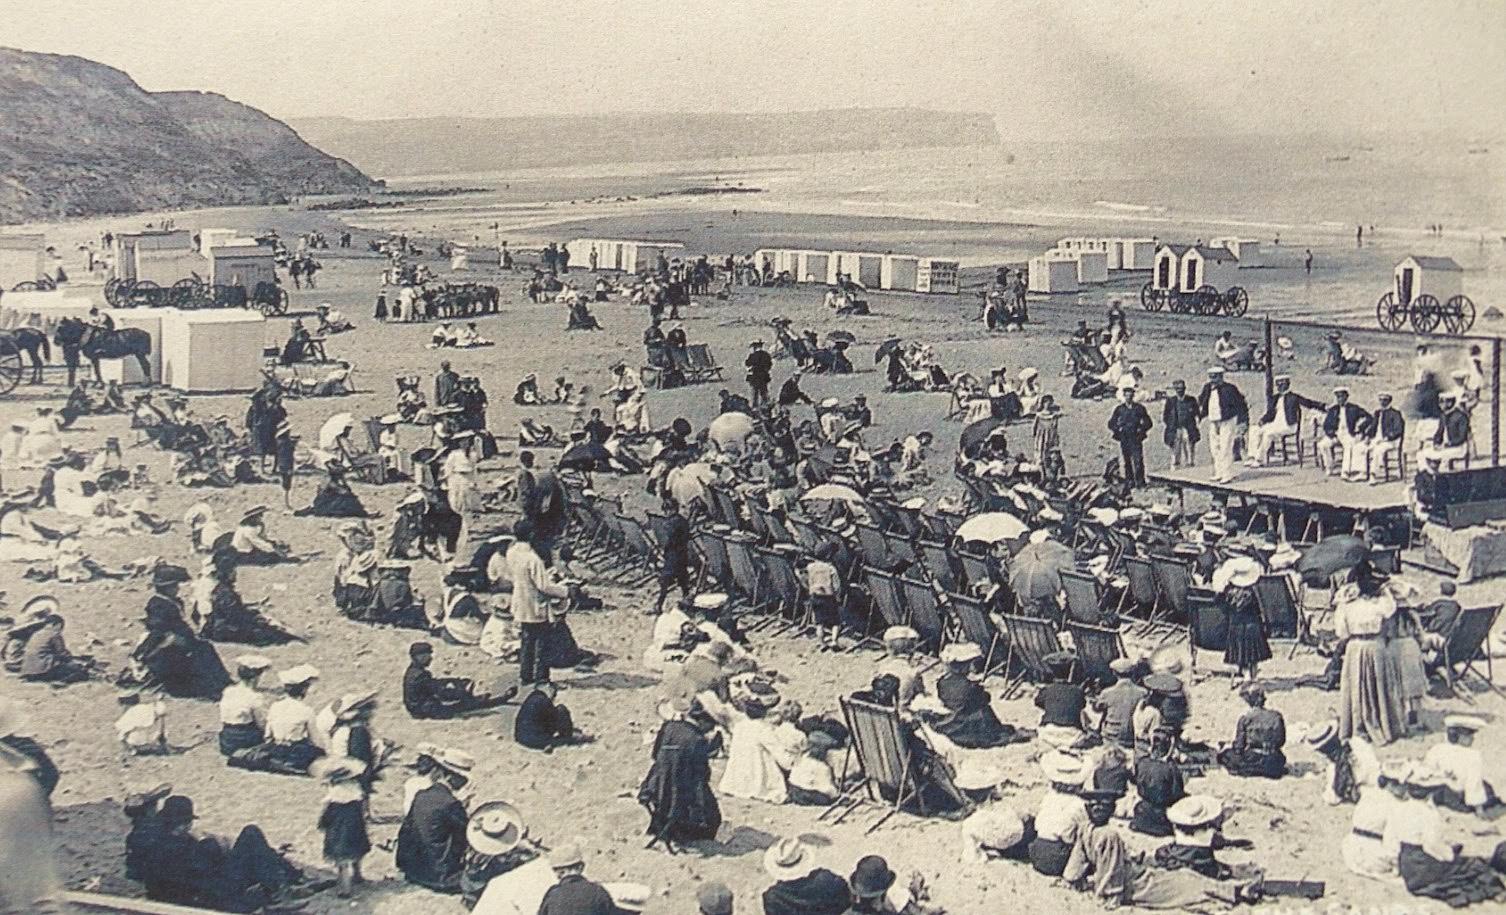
[(695, 363)]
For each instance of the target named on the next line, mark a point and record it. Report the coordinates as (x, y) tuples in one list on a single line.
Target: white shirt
[(519, 891), (142, 725), (289, 721), (240, 704), (1417, 823), (1464, 768), (1061, 817)]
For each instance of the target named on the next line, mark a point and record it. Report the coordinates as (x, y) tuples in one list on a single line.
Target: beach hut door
[(1164, 281), (1191, 283), (1404, 285)]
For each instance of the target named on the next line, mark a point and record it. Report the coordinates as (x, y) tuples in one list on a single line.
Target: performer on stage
[(1283, 416), (1343, 426), (1222, 404), (1388, 429), (1451, 441)]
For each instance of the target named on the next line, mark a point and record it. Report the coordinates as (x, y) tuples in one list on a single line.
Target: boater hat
[(495, 828), (1463, 723), (788, 859), (1195, 810), (1062, 768)]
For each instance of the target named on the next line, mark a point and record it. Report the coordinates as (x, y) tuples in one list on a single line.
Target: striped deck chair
[(716, 567), (1278, 607), (1030, 641), (1207, 627), (886, 515), (942, 525), (1084, 598), (726, 505), (874, 548), (925, 612), (804, 532), (938, 564), (1173, 581), (1142, 595), (702, 364), (887, 763), (910, 522), (642, 552), (779, 532), (789, 605), (888, 600), (976, 568), (901, 549), (978, 627), (1097, 647), (747, 582), (1464, 646), (756, 523)]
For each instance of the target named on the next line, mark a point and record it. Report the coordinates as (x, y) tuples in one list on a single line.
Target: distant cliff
[(426, 146), (79, 138)]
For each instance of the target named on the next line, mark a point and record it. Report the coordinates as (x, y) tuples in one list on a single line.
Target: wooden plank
[(100, 902)]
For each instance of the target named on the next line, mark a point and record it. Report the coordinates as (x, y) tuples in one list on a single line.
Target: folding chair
[(641, 551), (716, 567), (883, 590), (746, 580), (779, 532), (886, 757), (790, 606), (1173, 581), (1084, 598), (1142, 593), (1030, 640), (976, 568), (910, 523), (943, 525), (703, 363), (726, 506), (977, 627), (1097, 647), (755, 523), (1278, 607), (885, 515), (1207, 626), (1464, 646), (874, 548), (938, 563), (925, 612), (804, 533), (901, 551)]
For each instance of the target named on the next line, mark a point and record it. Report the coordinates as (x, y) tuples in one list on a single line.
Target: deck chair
[(1084, 598), (874, 548), (1278, 607), (901, 549), (756, 523), (747, 582), (888, 600), (1207, 626), (779, 532), (1142, 595), (1464, 646), (910, 523), (925, 612), (702, 363), (885, 515), (804, 532), (790, 606), (1173, 581), (886, 757), (943, 525), (642, 553), (938, 563), (1097, 647), (975, 624), (1030, 640), (976, 568), (726, 506), (716, 568)]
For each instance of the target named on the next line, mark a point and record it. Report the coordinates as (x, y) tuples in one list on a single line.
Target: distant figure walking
[(1308, 262), (1359, 236)]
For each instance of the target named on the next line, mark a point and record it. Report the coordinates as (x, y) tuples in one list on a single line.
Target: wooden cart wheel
[(1459, 314), (1236, 302), (182, 294), (1426, 314), (1150, 299), (11, 367), (112, 291), (1206, 301), (26, 286), (1387, 315)]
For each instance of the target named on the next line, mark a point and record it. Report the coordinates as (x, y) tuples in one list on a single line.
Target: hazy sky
[(1056, 68)]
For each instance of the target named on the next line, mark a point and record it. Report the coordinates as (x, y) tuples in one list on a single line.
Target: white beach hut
[(1203, 265), (1134, 254), (1247, 250), (23, 258), (242, 264), (935, 275), (1418, 275), (1053, 273), (212, 350), (1092, 265), (901, 272)]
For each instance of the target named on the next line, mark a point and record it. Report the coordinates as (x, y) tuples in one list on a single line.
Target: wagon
[(11, 366), (1420, 283), (1186, 280), (1204, 300)]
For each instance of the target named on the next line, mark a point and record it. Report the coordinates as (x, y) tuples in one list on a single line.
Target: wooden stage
[(1293, 490)]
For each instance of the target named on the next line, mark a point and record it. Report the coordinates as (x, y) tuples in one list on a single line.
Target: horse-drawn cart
[(11, 366), (1428, 293), (193, 293)]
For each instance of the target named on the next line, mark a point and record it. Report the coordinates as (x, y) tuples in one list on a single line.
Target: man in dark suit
[(1387, 430), (1283, 416), (446, 384), (574, 894), (431, 842), (760, 367), (1179, 425), (1222, 404), (1344, 425), (673, 533), (1130, 423)]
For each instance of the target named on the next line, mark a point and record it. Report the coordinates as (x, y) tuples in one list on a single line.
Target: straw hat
[(996, 828), (1285, 557), (254, 662), (1123, 666), (1323, 735), (961, 653), (295, 676), (914, 504), (1104, 516), (788, 859), (457, 761), (566, 854), (1239, 572), (1062, 768), (974, 774), (629, 897), (900, 634), (351, 703), (714, 600), (336, 769), (1463, 723), (830, 403), (1424, 775), (1195, 810), (495, 828)]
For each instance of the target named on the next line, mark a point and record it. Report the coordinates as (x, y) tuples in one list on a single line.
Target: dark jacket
[(760, 366), (1180, 413), (575, 895), (1388, 425), (431, 842), (1231, 402), (1130, 422), (820, 892), (1291, 405), (1453, 429), (1348, 417)]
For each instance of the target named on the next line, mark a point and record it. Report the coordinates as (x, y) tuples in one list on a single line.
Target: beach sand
[(589, 790)]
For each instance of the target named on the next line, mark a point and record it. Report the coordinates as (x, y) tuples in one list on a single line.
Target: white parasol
[(992, 527), (332, 428), (832, 492)]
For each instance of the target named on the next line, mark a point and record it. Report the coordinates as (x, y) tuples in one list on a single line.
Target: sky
[(1045, 69)]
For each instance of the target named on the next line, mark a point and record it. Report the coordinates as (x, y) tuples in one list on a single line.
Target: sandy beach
[(589, 790)]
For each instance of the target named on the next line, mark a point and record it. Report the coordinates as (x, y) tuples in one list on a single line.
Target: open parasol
[(332, 429), (730, 429), (688, 483), (1035, 571), (832, 492), (991, 527), (1332, 555), (977, 433), (885, 348), (587, 456)]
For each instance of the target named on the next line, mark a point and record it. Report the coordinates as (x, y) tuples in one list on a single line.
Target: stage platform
[(1303, 489)]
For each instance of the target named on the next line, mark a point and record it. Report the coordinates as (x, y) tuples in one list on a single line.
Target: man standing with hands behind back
[(1224, 407), (1130, 423)]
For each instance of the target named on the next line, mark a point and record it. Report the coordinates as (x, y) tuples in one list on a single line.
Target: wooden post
[(1270, 358), (1495, 403)]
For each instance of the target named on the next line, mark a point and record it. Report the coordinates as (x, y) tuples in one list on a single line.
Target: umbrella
[(1241, 571), (977, 433), (885, 348), (588, 456), (832, 492), (730, 429), (991, 527), (846, 336), (1331, 556), (688, 483), (332, 428), (1035, 571)]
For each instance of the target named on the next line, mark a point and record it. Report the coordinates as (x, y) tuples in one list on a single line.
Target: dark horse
[(34, 342), (96, 343)]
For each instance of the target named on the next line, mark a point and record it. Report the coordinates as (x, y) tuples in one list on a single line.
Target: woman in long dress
[(677, 789), (754, 750), (1372, 699), (1247, 646)]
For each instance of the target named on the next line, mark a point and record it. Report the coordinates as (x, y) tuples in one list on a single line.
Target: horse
[(34, 342), (96, 343)]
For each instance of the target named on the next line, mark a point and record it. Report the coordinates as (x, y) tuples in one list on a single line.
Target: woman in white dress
[(754, 748), (1364, 849)]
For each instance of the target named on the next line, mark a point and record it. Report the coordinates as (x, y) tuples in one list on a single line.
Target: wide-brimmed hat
[(1123, 666), (872, 877), (1285, 556), (788, 859), (1195, 810), (253, 662), (974, 774), (391, 419), (566, 854), (295, 676), (1062, 768), (961, 653), (37, 611), (1320, 737), (629, 897), (457, 761), (495, 828), (712, 600), (1165, 684), (830, 403), (901, 634), (253, 514), (1239, 572), (350, 704), (915, 503), (1463, 722), (336, 769), (1103, 516)]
